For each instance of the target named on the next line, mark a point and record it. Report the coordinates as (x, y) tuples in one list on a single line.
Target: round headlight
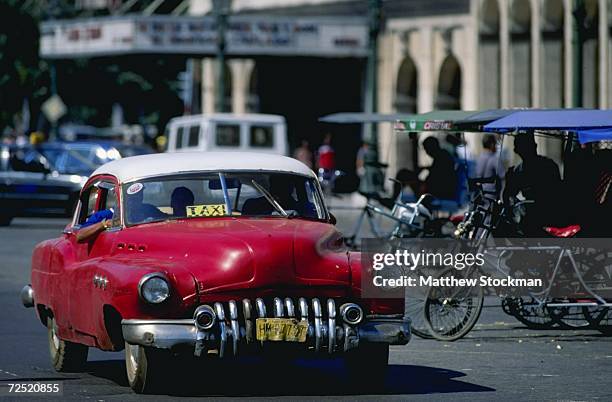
[(154, 288)]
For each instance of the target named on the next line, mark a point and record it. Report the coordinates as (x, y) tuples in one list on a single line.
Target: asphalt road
[(499, 360)]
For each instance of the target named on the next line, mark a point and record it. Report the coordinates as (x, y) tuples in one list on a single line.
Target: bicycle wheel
[(531, 313), (451, 312), (571, 317), (600, 318), (415, 311)]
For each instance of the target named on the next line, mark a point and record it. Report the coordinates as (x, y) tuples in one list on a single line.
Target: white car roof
[(142, 166)]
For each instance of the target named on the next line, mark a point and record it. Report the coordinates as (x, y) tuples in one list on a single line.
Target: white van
[(228, 132)]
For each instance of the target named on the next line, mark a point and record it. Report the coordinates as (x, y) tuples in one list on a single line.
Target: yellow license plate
[(281, 329)]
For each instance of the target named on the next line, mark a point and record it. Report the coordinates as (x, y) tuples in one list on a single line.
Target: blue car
[(45, 180)]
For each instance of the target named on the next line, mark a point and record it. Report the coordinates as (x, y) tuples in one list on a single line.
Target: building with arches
[(307, 58), (465, 54)]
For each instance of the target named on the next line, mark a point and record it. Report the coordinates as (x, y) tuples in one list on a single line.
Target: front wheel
[(145, 368), (65, 356), (368, 364), (452, 311)]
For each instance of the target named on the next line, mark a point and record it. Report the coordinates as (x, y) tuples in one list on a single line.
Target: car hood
[(226, 254)]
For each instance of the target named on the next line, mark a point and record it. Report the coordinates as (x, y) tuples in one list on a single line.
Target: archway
[(552, 86), (590, 55), (449, 85), (520, 53), (406, 87), (406, 97)]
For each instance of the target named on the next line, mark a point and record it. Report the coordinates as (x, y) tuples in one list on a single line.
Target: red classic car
[(206, 254)]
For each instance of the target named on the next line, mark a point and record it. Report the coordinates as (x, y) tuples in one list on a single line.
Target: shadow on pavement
[(303, 377)]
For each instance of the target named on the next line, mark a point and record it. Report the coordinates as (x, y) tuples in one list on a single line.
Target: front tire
[(65, 356), (145, 367)]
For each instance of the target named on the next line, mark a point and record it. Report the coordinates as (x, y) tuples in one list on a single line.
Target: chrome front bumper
[(325, 334)]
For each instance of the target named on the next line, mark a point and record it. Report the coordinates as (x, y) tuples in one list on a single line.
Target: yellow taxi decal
[(194, 211)]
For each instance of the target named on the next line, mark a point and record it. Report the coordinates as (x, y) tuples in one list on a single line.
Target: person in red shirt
[(326, 156)]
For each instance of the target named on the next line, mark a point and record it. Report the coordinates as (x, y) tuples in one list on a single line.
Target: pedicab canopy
[(438, 120), (591, 125), (361, 118)]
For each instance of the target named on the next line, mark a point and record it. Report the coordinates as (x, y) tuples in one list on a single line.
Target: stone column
[(536, 51), (427, 75), (208, 87), (239, 86), (387, 142), (603, 54), (504, 47), (567, 48)]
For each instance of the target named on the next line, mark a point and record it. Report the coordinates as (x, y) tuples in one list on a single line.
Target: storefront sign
[(246, 35)]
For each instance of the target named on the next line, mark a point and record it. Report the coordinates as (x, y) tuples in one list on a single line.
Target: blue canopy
[(594, 135), (569, 119)]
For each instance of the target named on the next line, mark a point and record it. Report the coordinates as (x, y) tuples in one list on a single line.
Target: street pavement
[(499, 360)]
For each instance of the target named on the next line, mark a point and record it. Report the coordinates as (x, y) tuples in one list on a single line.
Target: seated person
[(537, 178), (179, 200), (139, 211), (94, 224)]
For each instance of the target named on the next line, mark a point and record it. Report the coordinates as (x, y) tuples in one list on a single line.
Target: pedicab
[(450, 313), (404, 215)]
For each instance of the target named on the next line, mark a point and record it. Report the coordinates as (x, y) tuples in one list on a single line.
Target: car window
[(262, 136), (27, 160), (88, 201), (179, 137), (71, 160), (227, 135), (110, 201), (194, 136)]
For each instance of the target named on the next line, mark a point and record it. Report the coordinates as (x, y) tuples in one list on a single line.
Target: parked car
[(206, 255), (33, 181), (45, 180), (228, 132)]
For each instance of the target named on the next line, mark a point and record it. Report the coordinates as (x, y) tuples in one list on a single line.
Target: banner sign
[(246, 36)]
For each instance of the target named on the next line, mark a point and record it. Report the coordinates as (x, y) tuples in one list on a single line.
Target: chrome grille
[(236, 324)]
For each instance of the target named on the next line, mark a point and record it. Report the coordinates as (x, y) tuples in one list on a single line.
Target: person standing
[(442, 179), (326, 156), (303, 154), (487, 164)]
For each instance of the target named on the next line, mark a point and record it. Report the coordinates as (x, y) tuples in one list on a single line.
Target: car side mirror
[(68, 230), (332, 219)]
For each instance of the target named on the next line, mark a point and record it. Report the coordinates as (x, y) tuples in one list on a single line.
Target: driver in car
[(179, 200)]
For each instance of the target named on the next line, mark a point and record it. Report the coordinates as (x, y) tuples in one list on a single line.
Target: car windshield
[(222, 194), (68, 161)]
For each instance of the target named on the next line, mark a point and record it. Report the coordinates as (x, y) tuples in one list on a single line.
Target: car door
[(23, 181), (86, 274)]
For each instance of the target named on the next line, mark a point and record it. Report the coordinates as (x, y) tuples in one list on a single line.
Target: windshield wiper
[(270, 199)]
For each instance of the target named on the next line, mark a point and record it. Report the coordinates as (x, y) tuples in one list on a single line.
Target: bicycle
[(450, 313)]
